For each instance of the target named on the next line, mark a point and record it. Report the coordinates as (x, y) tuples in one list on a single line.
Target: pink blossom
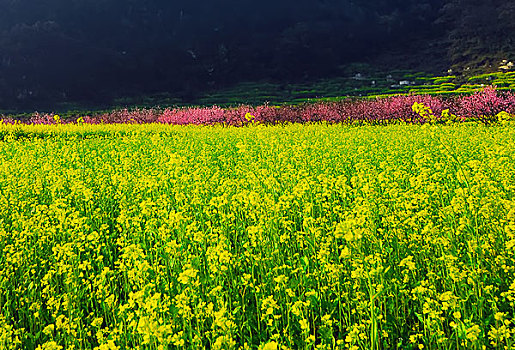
[(483, 105)]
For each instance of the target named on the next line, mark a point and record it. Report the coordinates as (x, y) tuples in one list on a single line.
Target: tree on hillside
[(480, 32)]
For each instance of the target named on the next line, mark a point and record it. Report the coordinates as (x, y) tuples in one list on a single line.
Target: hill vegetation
[(92, 53)]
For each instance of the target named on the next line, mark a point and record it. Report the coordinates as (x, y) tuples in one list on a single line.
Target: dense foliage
[(487, 106), (95, 51), (284, 237)]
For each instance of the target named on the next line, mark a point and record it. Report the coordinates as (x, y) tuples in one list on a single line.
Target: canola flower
[(287, 237)]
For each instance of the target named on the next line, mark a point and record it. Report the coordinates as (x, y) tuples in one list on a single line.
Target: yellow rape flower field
[(264, 237)]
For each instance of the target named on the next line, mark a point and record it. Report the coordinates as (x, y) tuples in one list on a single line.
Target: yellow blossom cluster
[(264, 237)]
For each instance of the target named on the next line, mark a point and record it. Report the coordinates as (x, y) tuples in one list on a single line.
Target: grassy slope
[(352, 83)]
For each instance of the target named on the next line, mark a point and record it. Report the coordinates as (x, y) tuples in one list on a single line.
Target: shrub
[(484, 106)]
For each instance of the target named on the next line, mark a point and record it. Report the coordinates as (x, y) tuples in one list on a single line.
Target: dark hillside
[(93, 52)]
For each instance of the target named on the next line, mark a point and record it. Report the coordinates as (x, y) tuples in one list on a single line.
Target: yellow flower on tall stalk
[(135, 236), (272, 345)]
